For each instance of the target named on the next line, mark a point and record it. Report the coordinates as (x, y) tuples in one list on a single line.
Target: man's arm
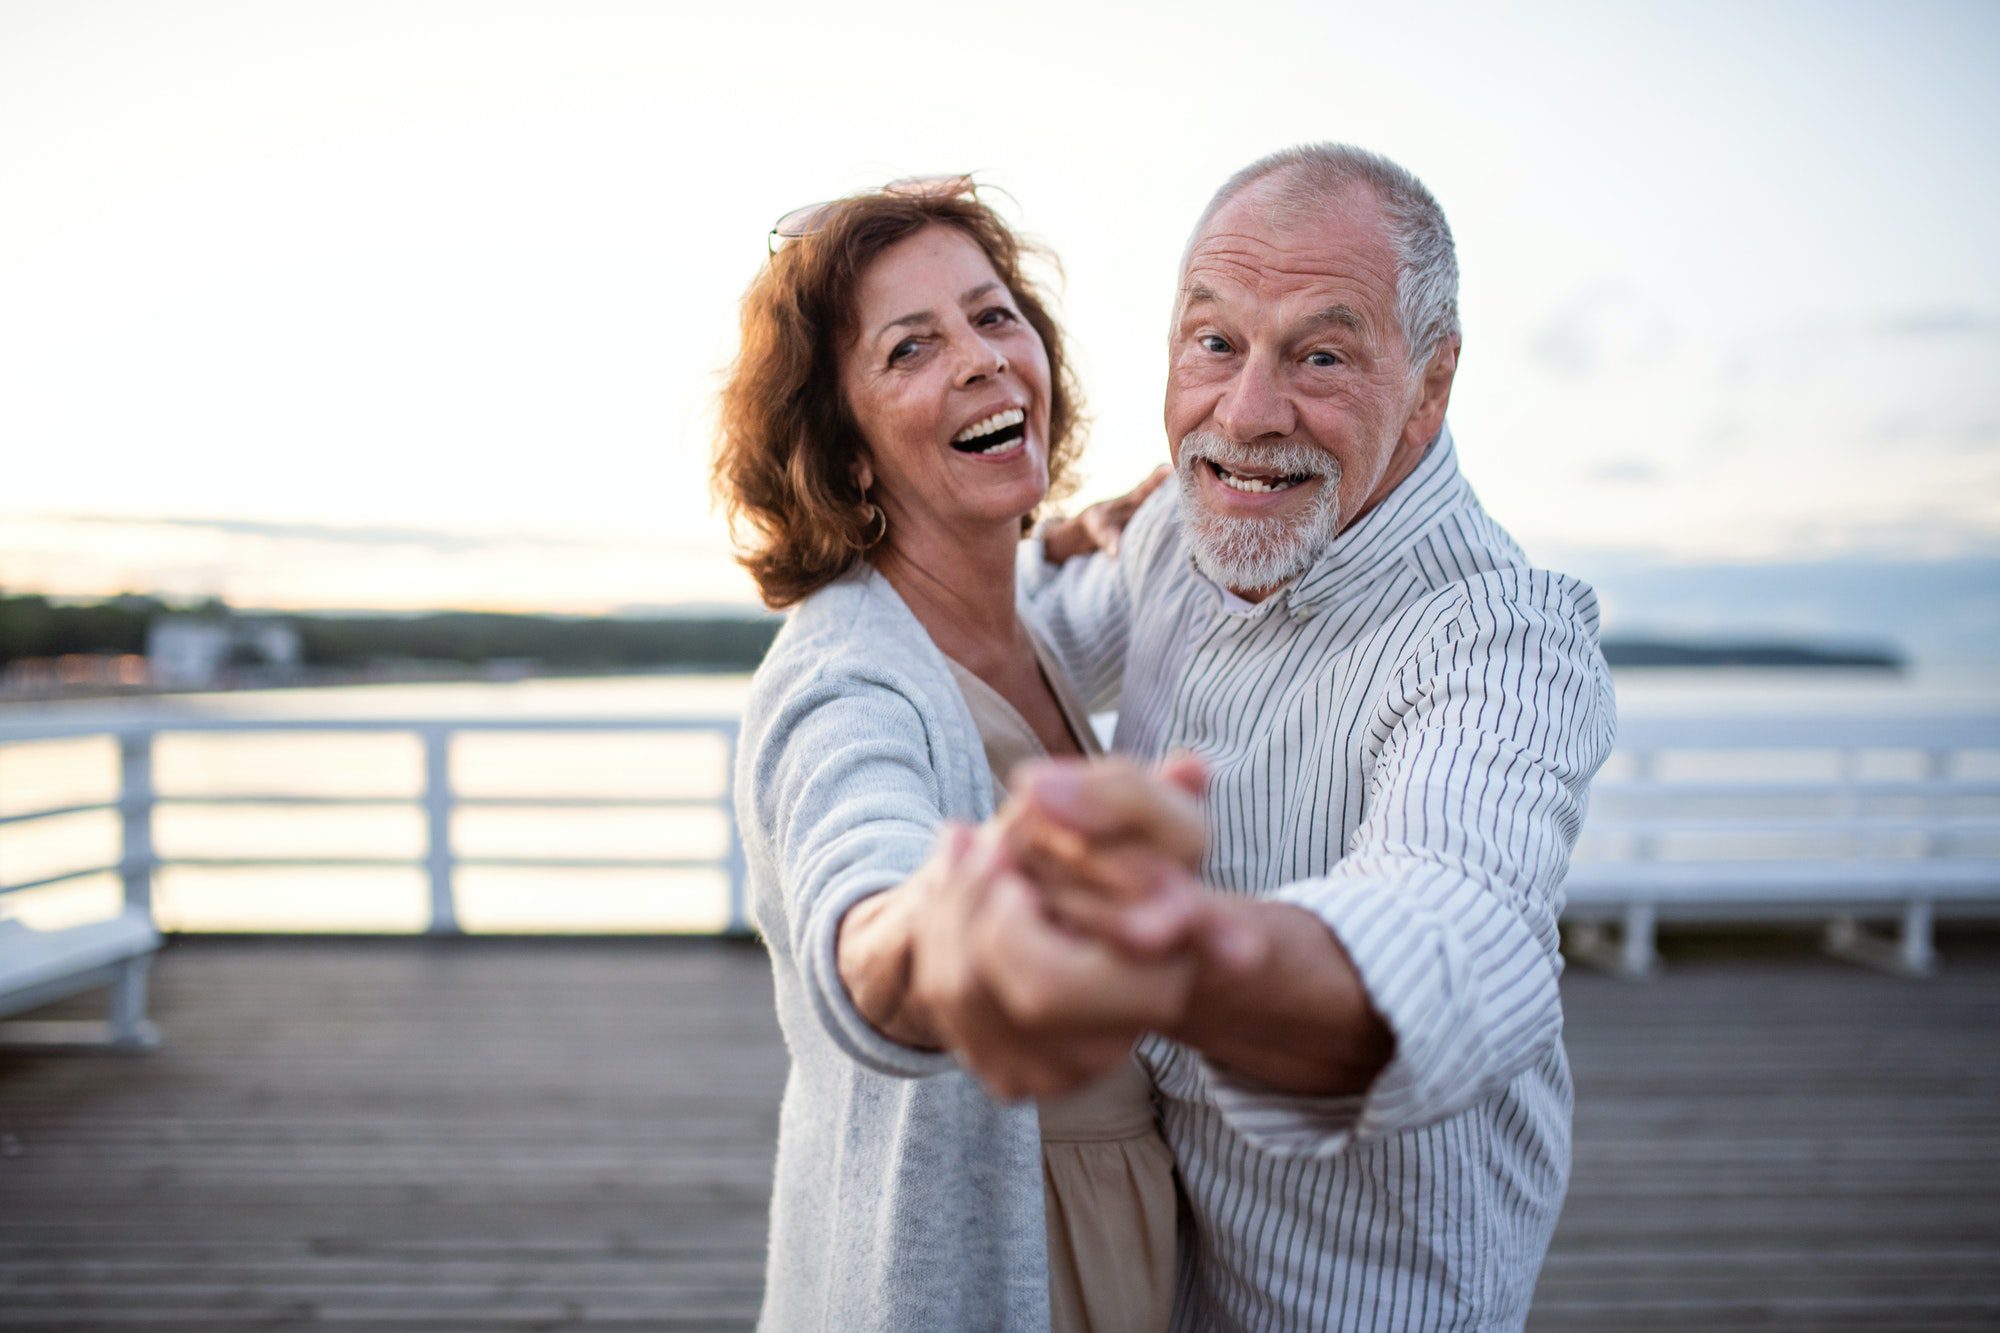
[(1420, 973), (1447, 900)]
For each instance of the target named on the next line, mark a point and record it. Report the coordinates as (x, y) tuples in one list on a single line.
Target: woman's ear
[(863, 474)]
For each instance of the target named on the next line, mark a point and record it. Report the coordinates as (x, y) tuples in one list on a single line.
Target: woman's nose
[(982, 360)]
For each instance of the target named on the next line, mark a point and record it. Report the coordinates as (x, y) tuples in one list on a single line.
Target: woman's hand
[(1099, 527), (1115, 852), (967, 956)]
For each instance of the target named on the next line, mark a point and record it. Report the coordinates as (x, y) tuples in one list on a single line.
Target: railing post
[(1638, 954), (438, 858), (739, 911), (1847, 801), (135, 809), (1642, 845), (1936, 767), (1915, 950)]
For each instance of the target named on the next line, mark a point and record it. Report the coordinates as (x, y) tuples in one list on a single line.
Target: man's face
[(1291, 410)]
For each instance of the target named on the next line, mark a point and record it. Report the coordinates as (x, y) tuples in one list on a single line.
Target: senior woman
[(898, 412)]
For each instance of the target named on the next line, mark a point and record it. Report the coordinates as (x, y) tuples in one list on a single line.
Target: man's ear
[(1433, 396)]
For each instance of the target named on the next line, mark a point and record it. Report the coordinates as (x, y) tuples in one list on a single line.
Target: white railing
[(139, 798), (1888, 797), (1885, 818)]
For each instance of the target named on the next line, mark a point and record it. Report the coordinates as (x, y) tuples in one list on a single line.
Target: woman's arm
[(843, 804)]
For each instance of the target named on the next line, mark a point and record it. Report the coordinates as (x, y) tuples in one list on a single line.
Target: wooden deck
[(486, 1135)]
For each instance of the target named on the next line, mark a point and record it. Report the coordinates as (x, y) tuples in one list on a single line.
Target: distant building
[(73, 673), (192, 653)]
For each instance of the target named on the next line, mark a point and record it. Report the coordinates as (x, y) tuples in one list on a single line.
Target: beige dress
[(1107, 1175)]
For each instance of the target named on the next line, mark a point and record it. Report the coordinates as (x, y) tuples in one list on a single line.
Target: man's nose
[(1254, 405)]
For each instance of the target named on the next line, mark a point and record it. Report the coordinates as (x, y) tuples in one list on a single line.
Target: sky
[(424, 303)]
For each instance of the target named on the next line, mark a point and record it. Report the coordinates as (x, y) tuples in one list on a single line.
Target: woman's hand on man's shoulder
[(1101, 526)]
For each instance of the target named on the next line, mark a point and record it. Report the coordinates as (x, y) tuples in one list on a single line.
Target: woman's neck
[(962, 591)]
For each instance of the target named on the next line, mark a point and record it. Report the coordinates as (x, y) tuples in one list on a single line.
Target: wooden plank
[(578, 1135)]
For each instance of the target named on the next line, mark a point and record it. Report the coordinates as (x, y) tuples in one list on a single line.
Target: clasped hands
[(1039, 946)]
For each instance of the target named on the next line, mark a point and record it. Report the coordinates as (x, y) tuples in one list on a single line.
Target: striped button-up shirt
[(1400, 743)]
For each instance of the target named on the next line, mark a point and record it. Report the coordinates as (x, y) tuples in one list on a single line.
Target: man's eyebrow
[(1196, 293), (1338, 316), (930, 317)]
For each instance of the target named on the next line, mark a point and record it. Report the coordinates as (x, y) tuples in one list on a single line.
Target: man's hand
[(1032, 1007), (1116, 850), (1275, 995), (966, 956), (1100, 526)]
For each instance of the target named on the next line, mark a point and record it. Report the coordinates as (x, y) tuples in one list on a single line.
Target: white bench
[(39, 967), (1851, 822)]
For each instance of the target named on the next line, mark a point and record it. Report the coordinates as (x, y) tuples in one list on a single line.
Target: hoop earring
[(880, 521)]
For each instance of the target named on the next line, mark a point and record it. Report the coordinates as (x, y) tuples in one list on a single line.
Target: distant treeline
[(726, 642), (1696, 653), (33, 626)]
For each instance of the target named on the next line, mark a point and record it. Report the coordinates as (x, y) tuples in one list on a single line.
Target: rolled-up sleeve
[(1448, 896), (845, 785)]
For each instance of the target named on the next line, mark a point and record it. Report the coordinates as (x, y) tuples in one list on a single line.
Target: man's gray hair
[(1312, 176)]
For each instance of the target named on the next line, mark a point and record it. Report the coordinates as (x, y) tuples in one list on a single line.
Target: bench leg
[(1910, 953), (125, 1027), (1633, 955), (128, 1028)]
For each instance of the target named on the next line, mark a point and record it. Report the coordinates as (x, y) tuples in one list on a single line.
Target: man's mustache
[(1289, 460)]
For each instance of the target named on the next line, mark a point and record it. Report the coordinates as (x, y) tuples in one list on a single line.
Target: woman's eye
[(997, 315), (903, 350)]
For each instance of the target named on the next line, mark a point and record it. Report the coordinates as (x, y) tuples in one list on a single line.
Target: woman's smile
[(949, 385)]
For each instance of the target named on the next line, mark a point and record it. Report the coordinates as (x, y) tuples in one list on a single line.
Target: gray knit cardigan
[(906, 1198)]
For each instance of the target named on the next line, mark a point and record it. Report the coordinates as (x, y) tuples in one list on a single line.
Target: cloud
[(1938, 324), (1918, 427), (1622, 470), (1604, 329), (441, 541)]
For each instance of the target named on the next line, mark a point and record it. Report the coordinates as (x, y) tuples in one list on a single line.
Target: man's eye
[(1322, 359), (1214, 342)]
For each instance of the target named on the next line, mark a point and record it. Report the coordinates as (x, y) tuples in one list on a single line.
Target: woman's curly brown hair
[(784, 463)]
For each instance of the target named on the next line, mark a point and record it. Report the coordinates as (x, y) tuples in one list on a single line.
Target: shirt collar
[(1369, 548)]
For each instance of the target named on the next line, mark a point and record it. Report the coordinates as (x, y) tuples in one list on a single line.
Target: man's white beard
[(1252, 554)]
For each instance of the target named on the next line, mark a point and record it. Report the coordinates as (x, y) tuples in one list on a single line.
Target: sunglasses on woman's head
[(809, 219)]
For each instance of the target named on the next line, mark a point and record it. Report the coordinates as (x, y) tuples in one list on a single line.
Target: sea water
[(39, 775)]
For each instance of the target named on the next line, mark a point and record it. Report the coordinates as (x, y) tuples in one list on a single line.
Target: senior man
[(1398, 716)]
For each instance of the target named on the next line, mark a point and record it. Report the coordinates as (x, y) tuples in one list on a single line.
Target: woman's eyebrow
[(930, 317), (920, 317)]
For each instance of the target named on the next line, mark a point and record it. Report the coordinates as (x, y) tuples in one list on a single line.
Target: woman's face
[(950, 386)]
